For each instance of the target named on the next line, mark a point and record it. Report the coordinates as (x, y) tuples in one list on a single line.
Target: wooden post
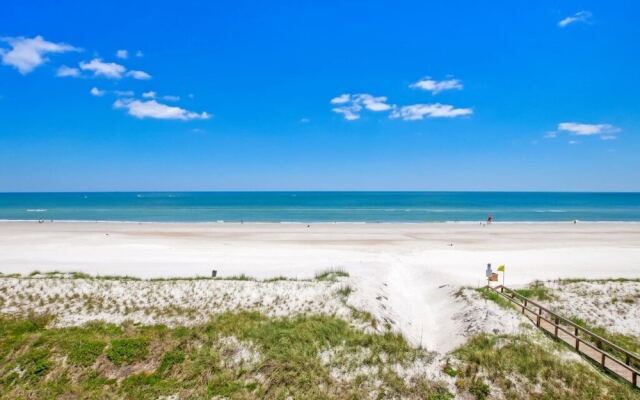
[(627, 359), (603, 356), (576, 331), (557, 321), (634, 379)]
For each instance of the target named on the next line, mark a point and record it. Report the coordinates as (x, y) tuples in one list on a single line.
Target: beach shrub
[(84, 352), (128, 350), (536, 291), (195, 362)]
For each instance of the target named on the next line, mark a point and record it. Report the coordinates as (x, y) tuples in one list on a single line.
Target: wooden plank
[(581, 344), (513, 294)]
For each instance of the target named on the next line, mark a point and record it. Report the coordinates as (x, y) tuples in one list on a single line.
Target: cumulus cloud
[(111, 70), (580, 16), (141, 75), (149, 95), (343, 98), (169, 97), (351, 105), (123, 54), (605, 131), (97, 92), (26, 54), (435, 86), (153, 109), (417, 112), (65, 71), (106, 69)]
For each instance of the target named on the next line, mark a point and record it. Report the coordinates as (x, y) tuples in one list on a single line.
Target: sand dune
[(413, 267)]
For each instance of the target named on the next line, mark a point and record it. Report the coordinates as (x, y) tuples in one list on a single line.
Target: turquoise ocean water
[(321, 206)]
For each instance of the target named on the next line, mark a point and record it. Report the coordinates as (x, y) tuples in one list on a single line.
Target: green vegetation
[(536, 291), (331, 274), (128, 350), (489, 294), (345, 291), (101, 360), (522, 368), (627, 342), (84, 352)]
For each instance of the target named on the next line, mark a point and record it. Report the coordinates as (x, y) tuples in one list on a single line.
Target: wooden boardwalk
[(610, 356)]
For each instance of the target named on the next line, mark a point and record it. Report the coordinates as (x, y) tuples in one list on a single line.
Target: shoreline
[(570, 222)]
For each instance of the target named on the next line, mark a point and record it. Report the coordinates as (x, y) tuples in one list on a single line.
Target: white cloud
[(100, 68), (124, 93), (551, 135), (372, 103), (139, 54), (580, 129), (343, 98), (580, 16), (97, 92), (28, 53), (350, 113), (352, 104), (436, 87), (169, 97), (141, 75), (149, 95), (417, 112), (65, 71), (155, 110), (608, 137), (123, 54)]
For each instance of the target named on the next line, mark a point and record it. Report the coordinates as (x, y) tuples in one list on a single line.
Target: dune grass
[(628, 342), (522, 368), (331, 274), (489, 294), (101, 360)]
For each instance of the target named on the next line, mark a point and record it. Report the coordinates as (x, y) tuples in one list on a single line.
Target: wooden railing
[(609, 355)]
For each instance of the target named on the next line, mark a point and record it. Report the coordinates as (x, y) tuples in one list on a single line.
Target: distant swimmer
[(489, 219)]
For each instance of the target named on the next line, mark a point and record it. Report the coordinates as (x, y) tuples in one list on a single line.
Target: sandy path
[(405, 263)]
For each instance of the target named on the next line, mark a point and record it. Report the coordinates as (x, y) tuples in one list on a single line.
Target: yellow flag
[(501, 268)]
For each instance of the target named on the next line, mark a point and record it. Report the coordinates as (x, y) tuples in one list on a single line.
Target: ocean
[(372, 207)]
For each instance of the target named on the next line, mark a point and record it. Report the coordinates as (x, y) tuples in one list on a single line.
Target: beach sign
[(501, 269)]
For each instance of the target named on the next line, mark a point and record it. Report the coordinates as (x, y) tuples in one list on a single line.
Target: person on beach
[(489, 219)]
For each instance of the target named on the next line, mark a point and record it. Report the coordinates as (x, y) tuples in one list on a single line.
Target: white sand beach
[(404, 273)]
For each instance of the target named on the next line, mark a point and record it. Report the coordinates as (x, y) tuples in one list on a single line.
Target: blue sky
[(237, 95)]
